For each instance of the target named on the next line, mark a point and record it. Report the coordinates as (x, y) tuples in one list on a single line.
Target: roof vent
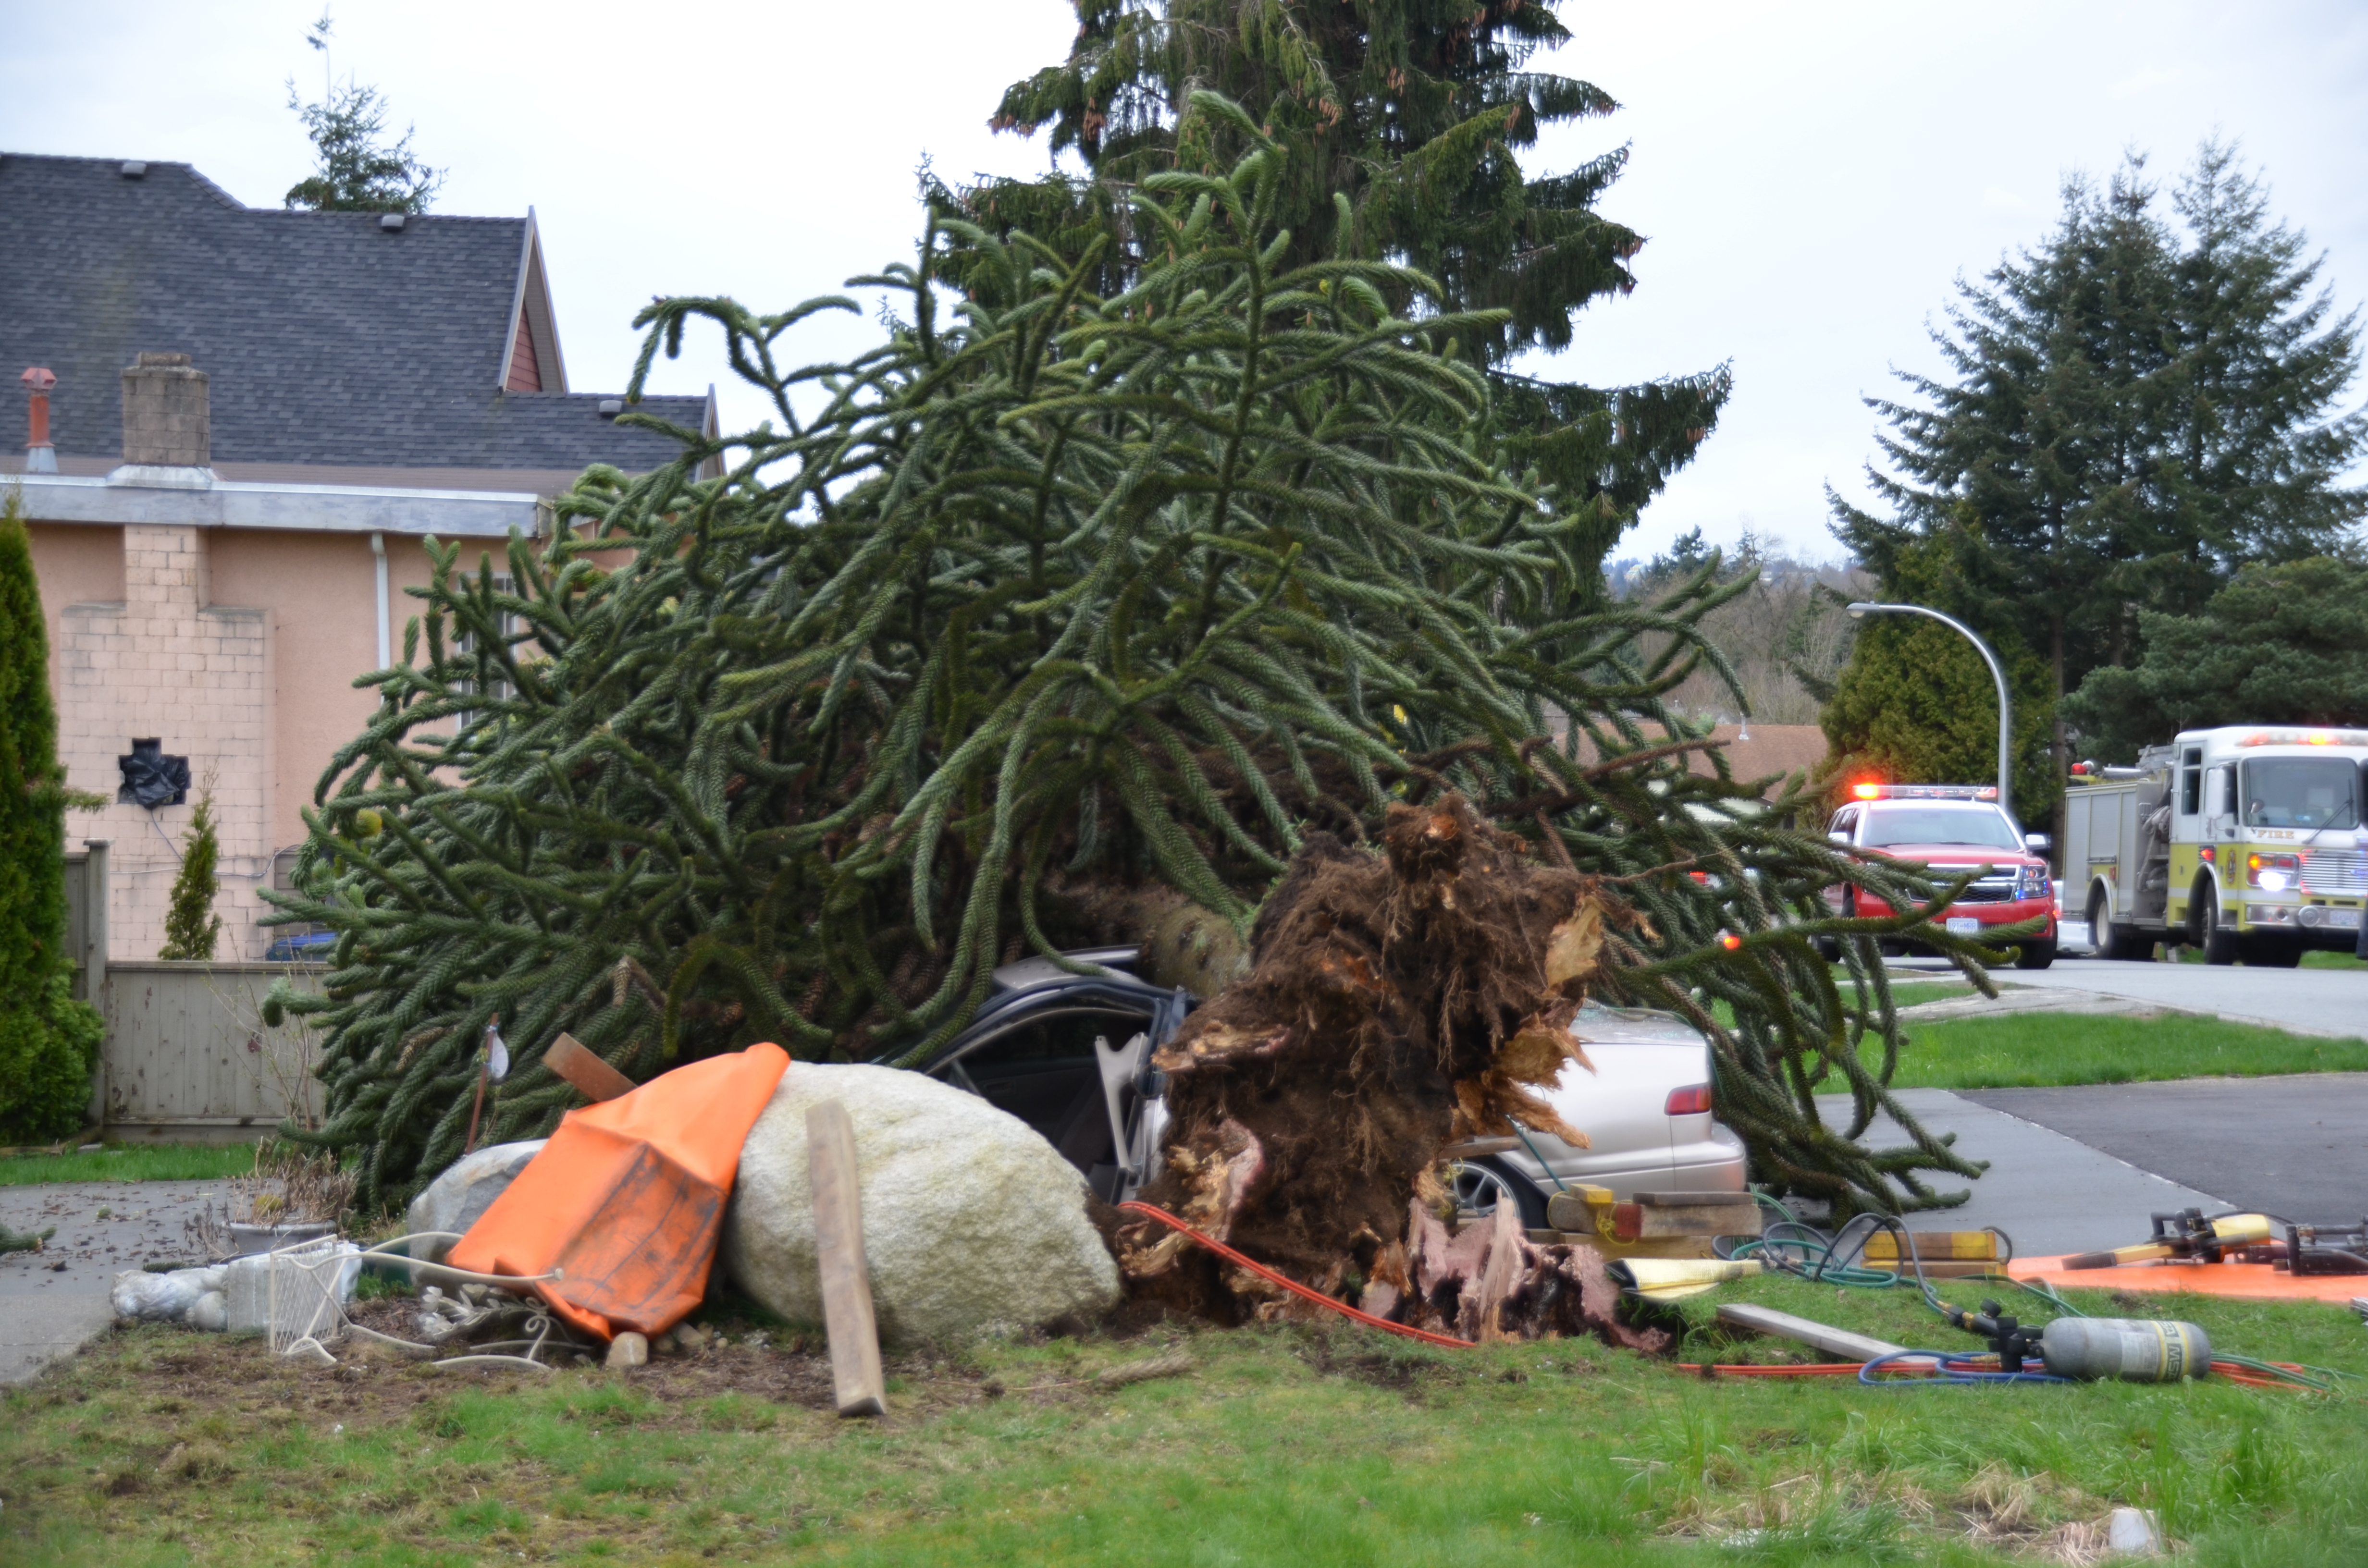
[(611, 406), (392, 222), (135, 168)]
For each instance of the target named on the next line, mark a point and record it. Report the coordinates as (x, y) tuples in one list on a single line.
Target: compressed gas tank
[(2136, 1350)]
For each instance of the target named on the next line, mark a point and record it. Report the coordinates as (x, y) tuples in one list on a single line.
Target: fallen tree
[(1026, 629)]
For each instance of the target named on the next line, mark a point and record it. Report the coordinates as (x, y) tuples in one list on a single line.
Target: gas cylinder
[(2136, 1350)]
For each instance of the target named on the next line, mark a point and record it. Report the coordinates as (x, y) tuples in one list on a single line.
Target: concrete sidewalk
[(52, 1300), (2049, 1193), (2294, 1145)]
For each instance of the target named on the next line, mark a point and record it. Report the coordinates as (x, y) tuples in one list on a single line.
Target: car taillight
[(1692, 1100)]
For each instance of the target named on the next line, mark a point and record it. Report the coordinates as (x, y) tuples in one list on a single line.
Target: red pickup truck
[(1950, 829)]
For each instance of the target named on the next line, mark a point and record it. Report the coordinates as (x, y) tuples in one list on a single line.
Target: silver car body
[(1634, 1143)]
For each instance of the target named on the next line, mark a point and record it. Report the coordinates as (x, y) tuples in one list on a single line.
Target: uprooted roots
[(1396, 1005)]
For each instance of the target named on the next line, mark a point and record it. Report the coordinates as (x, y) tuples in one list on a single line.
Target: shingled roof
[(328, 339)]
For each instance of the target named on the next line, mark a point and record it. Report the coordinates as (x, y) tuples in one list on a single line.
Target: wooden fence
[(188, 1058)]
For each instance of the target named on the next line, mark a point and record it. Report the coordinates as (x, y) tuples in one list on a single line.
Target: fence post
[(90, 968)]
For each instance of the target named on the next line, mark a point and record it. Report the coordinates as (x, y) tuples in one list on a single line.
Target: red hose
[(1153, 1212)]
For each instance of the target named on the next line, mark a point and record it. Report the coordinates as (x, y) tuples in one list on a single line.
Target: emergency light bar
[(1924, 791), (2306, 738)]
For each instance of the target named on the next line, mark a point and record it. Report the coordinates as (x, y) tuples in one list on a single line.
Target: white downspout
[(378, 555)]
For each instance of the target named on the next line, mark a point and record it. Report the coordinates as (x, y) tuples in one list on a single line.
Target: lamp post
[(1864, 608)]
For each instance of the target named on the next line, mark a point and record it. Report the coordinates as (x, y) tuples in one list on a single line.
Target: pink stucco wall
[(239, 649)]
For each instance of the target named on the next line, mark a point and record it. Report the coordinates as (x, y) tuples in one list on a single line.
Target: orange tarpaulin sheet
[(627, 1199), (2255, 1281)]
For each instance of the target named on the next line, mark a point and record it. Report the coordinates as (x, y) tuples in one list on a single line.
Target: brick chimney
[(166, 421), (40, 456)]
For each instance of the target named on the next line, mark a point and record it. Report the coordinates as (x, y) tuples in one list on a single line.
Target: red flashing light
[(1692, 1100), (1729, 940), (1867, 792)]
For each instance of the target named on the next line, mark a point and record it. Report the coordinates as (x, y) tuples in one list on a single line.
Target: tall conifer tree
[(46, 1038), (1401, 121), (2132, 411)]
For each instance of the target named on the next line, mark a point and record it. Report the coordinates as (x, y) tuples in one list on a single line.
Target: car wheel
[(1478, 1185), (1828, 948), (2035, 955), (2206, 929)]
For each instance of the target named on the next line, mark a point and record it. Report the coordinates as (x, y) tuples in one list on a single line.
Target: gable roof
[(326, 339)]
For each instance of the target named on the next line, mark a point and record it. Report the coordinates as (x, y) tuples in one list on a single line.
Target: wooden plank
[(574, 1060), (1839, 1342), (855, 1374)]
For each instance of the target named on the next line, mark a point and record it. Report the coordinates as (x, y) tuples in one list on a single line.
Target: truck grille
[(2334, 870), (1995, 889)]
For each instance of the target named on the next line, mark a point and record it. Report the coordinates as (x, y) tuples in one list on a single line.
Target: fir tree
[(192, 926), (47, 1040), (1915, 704), (357, 171), (2284, 645), (1067, 608), (2133, 410), (1401, 122)]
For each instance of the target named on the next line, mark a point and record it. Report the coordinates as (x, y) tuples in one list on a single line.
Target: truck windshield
[(2301, 791), (1982, 825)]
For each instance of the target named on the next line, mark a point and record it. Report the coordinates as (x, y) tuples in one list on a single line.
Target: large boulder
[(455, 1200), (972, 1223)]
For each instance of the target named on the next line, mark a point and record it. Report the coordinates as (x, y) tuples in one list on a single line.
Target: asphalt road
[(2309, 1001), (2293, 1146)]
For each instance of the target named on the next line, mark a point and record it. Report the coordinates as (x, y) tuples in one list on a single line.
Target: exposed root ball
[(1395, 1004)]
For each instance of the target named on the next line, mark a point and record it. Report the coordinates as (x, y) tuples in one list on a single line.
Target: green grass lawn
[(1312, 1447), (2331, 960), (2032, 1049), (163, 1162)]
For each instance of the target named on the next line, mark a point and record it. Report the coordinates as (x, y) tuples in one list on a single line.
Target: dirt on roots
[(1395, 1004)]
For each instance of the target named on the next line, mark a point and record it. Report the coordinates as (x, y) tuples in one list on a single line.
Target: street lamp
[(2006, 716)]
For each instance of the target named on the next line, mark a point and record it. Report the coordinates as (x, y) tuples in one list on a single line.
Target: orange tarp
[(2256, 1281), (627, 1199)]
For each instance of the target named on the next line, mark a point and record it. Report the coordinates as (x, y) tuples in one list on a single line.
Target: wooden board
[(1840, 1342), (855, 1370), (575, 1061)]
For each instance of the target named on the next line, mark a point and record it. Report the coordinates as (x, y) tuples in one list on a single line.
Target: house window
[(467, 643)]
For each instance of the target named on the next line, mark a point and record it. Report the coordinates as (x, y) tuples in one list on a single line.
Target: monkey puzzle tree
[(1065, 610)]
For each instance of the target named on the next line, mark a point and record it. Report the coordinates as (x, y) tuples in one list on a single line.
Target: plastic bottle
[(2136, 1350)]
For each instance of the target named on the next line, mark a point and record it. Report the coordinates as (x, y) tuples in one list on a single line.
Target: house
[(253, 418)]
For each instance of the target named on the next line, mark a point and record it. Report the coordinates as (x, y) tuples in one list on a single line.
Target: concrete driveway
[(52, 1300), (2306, 1001)]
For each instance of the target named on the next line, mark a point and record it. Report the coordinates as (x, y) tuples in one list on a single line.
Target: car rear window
[(1982, 825)]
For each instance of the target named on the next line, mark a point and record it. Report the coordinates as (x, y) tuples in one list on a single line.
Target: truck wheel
[(2206, 929), (2035, 955), (2112, 941)]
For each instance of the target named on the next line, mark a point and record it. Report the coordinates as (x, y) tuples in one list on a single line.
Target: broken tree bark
[(1395, 1004)]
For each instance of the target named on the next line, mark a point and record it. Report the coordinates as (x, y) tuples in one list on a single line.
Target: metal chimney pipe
[(40, 456)]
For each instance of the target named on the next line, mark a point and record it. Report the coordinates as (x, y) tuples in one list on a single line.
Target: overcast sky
[(1812, 177)]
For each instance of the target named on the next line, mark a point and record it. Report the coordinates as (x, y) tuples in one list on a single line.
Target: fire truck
[(2247, 842)]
